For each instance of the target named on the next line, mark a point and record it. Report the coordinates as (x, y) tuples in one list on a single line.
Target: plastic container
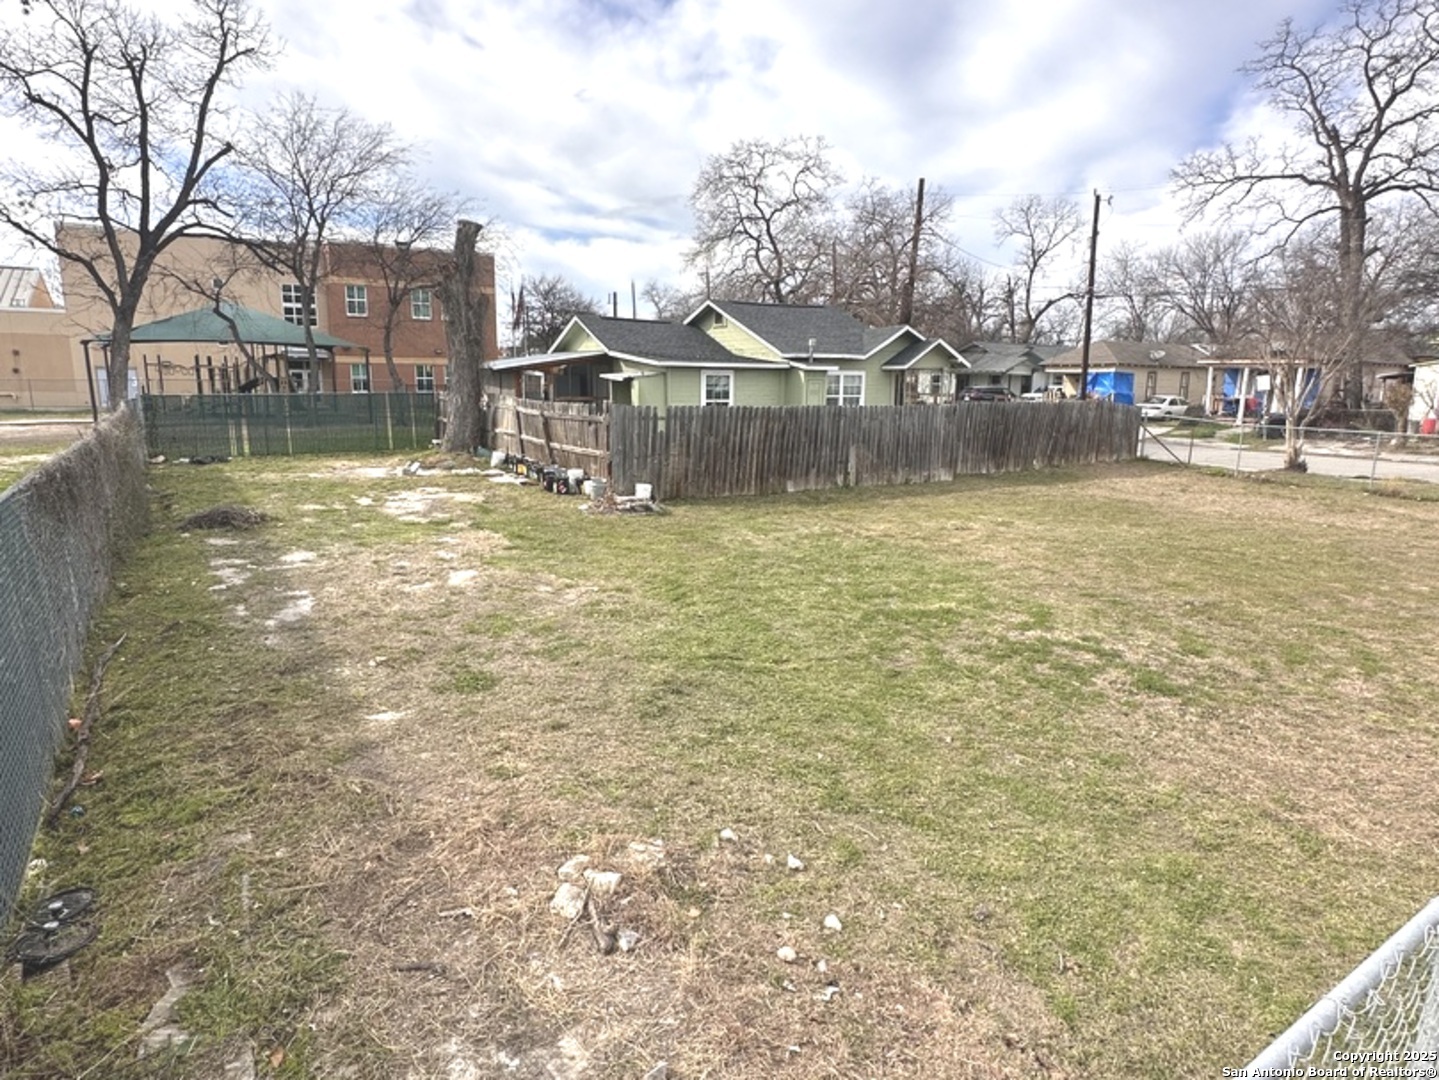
[(644, 491)]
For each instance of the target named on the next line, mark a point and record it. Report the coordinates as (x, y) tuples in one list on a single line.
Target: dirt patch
[(480, 728), (224, 517)]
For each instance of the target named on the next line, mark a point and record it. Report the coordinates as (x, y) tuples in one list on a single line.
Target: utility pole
[(1089, 303), (906, 304)]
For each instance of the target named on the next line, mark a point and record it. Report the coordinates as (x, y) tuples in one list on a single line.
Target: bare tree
[(399, 225), (763, 215), (874, 251), (959, 303), (544, 307), (1044, 231), (469, 311), (1364, 98), (1131, 294), (306, 172), (670, 301), (1207, 282), (130, 104), (1305, 333)]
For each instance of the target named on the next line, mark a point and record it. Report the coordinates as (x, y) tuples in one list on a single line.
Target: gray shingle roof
[(1131, 354), (915, 348), (660, 340), (789, 327)]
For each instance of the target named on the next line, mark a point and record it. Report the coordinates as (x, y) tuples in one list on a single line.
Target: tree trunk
[(397, 384), (1293, 448), (117, 363), (1353, 235), (468, 309)]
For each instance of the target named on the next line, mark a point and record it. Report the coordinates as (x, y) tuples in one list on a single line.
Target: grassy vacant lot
[(1105, 774)]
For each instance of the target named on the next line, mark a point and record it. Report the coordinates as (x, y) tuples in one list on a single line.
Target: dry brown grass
[(1040, 791)]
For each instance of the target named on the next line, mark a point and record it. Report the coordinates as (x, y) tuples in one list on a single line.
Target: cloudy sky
[(580, 125)]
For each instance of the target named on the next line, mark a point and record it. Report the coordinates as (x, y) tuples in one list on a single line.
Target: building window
[(292, 305), (1151, 384), (717, 388), (357, 301), (425, 378), (1184, 385), (720, 321), (359, 378), (422, 304), (844, 388)]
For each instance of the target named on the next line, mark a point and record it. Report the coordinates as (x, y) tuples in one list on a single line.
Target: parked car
[(986, 393), (1163, 406), (1053, 393)]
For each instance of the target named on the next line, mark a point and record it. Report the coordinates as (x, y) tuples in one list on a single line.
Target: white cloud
[(581, 124)]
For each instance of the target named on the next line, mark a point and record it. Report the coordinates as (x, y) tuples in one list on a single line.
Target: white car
[(1162, 406)]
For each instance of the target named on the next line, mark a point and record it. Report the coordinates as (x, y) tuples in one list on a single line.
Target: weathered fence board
[(698, 453), (572, 435)]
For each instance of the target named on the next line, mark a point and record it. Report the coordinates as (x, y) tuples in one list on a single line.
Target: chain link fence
[(1373, 456), (62, 528), (259, 425), (1382, 1020)]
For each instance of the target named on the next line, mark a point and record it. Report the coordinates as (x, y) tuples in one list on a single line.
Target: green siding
[(878, 385), (760, 387), (577, 339), (738, 341), (750, 387)]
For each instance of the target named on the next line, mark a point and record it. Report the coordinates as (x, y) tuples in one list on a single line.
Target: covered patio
[(263, 354)]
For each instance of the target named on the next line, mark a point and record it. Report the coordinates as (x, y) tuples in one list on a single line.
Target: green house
[(736, 353)]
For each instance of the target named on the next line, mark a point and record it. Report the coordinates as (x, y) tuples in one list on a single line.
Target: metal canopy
[(250, 326)]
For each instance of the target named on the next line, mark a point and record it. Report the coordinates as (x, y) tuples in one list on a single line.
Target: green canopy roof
[(254, 328)]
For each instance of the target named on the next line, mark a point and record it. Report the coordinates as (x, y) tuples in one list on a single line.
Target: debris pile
[(227, 516)]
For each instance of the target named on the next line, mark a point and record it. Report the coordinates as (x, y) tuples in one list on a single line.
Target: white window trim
[(292, 311), (429, 305), (360, 369), (705, 373), (434, 381), (357, 304), (842, 376)]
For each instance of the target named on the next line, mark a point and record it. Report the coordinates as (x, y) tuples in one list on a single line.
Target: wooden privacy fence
[(572, 435), (696, 453)]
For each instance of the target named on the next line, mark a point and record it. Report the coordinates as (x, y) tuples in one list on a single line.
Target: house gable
[(734, 336)]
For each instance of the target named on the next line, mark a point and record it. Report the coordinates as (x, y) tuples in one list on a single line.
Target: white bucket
[(575, 475), (497, 458), (644, 491)]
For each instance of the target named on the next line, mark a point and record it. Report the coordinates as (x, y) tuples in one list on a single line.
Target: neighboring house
[(1236, 371), (736, 353), (349, 304), (37, 367), (1424, 404), (1131, 371), (1017, 368)]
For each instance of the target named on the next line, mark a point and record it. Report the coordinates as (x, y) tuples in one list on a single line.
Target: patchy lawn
[(1103, 773)]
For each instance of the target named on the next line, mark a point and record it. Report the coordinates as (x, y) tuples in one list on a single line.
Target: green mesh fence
[(258, 425), (62, 528)]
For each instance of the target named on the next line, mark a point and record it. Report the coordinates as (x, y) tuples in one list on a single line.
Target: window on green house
[(844, 388)]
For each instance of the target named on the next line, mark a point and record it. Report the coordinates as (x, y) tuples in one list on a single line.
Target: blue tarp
[(1112, 386)]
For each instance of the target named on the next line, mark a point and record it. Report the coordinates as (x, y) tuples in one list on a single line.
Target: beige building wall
[(38, 368)]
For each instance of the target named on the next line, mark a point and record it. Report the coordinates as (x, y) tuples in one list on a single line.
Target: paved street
[(1349, 458)]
